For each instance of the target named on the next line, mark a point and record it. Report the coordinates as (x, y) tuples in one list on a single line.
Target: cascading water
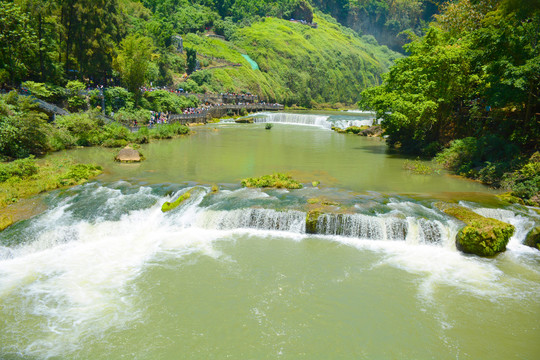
[(323, 121), (104, 263), (253, 218), (295, 119)]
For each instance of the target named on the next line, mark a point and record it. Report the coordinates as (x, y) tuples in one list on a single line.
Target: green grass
[(49, 175)]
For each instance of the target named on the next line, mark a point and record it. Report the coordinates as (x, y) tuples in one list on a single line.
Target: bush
[(113, 143), (76, 101), (524, 183), (117, 98), (142, 136), (126, 116), (60, 139)]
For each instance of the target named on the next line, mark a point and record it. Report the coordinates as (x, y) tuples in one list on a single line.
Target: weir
[(324, 121), (295, 119), (359, 226)]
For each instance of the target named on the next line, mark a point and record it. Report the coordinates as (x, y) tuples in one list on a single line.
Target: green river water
[(104, 274)]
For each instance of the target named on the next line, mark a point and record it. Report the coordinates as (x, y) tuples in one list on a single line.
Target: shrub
[(142, 136), (112, 143), (76, 101), (126, 116)]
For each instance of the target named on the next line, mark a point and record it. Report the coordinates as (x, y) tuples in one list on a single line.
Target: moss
[(215, 189), (315, 183), (79, 173), (248, 120), (311, 221), (533, 238), (481, 236), (51, 175), (5, 221), (276, 180), (168, 206), (510, 199)]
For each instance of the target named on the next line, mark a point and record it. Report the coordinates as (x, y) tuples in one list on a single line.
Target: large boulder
[(481, 236), (533, 238), (128, 154)]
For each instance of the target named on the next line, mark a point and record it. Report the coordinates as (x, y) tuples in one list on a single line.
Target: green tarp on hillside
[(253, 64)]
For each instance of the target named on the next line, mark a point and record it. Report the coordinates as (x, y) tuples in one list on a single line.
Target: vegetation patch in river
[(276, 180), (168, 206), (25, 178)]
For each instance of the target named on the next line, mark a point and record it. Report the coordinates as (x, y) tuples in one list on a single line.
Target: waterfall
[(348, 225), (255, 218), (379, 228), (295, 119)]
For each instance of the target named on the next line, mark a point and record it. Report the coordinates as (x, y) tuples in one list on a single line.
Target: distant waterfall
[(295, 119)]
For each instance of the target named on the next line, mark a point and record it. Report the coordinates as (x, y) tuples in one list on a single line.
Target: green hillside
[(298, 64)]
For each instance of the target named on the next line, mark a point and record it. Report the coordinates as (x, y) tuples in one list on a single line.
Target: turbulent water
[(104, 274)]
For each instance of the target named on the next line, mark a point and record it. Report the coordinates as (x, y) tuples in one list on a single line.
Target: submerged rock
[(533, 238), (128, 154), (481, 236)]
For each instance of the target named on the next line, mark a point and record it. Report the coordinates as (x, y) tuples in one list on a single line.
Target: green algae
[(168, 206)]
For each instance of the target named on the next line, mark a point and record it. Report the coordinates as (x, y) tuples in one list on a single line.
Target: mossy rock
[(510, 199), (168, 206), (533, 238), (244, 120), (481, 236), (311, 221)]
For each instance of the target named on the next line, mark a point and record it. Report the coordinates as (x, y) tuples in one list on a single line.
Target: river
[(104, 274)]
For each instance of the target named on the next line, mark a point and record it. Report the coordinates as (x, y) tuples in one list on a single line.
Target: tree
[(18, 44), (191, 60), (133, 61)]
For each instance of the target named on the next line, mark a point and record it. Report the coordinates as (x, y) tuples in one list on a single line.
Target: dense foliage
[(134, 44), (471, 83), (24, 131)]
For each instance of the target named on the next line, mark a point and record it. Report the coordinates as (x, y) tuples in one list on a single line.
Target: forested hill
[(313, 60)]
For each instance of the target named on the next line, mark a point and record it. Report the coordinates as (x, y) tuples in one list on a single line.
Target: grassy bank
[(25, 178)]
